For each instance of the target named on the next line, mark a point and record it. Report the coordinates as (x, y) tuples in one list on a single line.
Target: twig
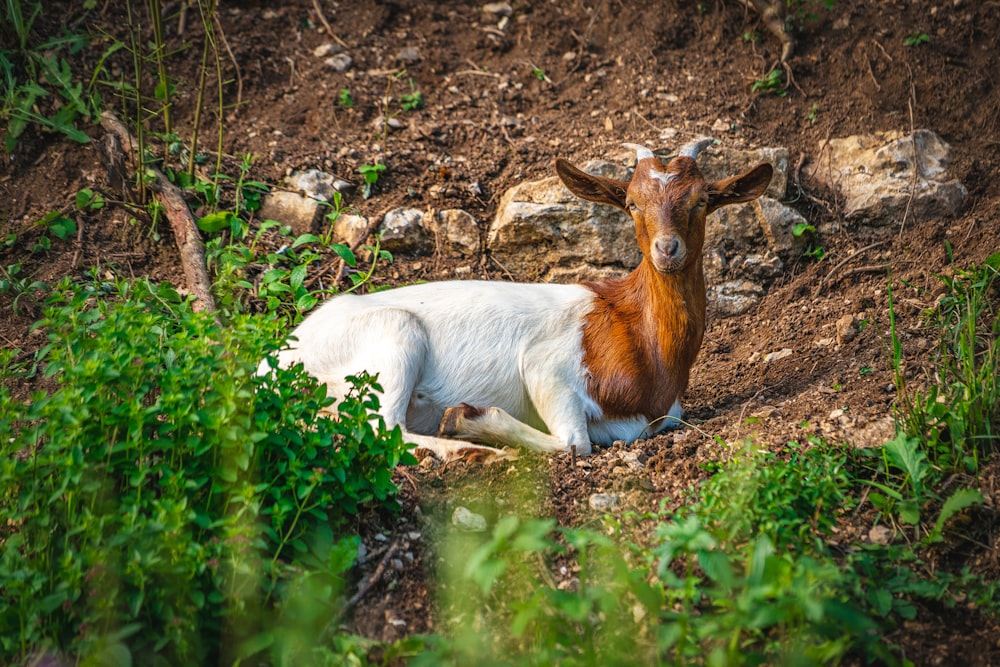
[(848, 259), (78, 245), (916, 158), (232, 59), (326, 25), (367, 584), (186, 234), (868, 268)]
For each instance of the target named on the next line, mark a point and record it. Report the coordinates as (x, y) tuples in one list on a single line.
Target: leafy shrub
[(165, 501), (721, 584)]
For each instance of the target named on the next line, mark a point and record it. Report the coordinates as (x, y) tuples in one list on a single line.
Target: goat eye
[(631, 207)]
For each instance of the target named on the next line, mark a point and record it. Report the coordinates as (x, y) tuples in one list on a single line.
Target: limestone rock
[(457, 230), (467, 520), (602, 502), (876, 174), (348, 229), (403, 231), (540, 225), (290, 208), (734, 297)]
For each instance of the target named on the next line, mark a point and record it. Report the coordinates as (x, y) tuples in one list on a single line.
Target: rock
[(457, 230), (324, 50), (783, 353), (880, 535), (847, 329), (636, 460), (876, 175), (468, 521), (348, 229), (498, 8), (340, 62), (316, 184), (408, 55), (602, 502), (540, 225), (734, 297), (403, 231), (290, 208)]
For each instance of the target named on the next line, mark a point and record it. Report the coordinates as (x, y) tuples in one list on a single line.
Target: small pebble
[(467, 520)]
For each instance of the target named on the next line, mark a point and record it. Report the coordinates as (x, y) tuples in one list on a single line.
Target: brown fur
[(644, 332)]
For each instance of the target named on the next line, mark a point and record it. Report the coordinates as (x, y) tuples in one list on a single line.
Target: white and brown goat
[(543, 366)]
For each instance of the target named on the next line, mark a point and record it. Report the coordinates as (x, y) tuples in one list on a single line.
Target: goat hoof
[(455, 416)]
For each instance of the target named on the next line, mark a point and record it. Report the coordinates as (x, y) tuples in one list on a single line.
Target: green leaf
[(958, 501), (305, 238), (345, 254), (214, 222), (801, 228)]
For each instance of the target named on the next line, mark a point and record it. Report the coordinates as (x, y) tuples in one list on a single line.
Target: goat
[(545, 366)]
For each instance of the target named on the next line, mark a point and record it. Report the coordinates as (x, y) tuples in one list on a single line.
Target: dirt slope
[(504, 96)]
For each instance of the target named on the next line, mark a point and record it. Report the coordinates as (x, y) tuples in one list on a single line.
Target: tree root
[(186, 234)]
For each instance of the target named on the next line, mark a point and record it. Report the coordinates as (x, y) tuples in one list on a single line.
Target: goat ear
[(737, 189), (592, 188)]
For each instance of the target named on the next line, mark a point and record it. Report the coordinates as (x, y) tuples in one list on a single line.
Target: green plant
[(411, 100), (772, 83), (344, 99), (539, 73), (370, 173), (728, 580), (813, 113), (813, 249), (917, 38), (165, 499), (20, 287), (958, 416), (38, 84)]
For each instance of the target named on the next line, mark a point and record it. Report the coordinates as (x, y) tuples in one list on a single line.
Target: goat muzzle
[(668, 254)]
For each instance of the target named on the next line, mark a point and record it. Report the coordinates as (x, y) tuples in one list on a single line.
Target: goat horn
[(692, 148), (641, 152)]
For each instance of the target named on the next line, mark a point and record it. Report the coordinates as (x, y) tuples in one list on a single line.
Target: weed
[(958, 417), (20, 287), (917, 38), (344, 99), (411, 100), (813, 113), (166, 500), (370, 173), (41, 71), (813, 250), (772, 83)]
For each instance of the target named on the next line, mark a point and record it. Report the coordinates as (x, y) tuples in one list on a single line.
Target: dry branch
[(182, 223)]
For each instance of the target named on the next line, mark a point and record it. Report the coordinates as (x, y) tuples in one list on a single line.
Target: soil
[(575, 79)]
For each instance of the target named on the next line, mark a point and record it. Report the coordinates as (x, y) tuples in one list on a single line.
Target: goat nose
[(670, 248)]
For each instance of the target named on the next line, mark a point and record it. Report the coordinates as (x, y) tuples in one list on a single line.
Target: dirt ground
[(503, 97)]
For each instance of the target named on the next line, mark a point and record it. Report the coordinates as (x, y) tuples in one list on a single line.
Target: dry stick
[(322, 19), (367, 584), (848, 259), (232, 59), (916, 158), (186, 233)]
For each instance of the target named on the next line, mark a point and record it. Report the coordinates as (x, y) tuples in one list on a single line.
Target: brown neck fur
[(642, 337)]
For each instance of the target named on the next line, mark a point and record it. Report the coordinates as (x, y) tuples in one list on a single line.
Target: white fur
[(663, 178), (515, 349)]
